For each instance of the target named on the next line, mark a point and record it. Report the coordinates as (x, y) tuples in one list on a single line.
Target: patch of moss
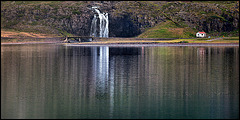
[(64, 33), (34, 23), (76, 12), (220, 17)]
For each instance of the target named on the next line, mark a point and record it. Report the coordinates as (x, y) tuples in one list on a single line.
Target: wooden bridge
[(83, 39), (79, 38)]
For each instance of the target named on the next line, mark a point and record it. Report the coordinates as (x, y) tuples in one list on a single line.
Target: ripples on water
[(55, 81)]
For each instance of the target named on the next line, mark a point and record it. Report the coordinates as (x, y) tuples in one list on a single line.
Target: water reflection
[(51, 81)]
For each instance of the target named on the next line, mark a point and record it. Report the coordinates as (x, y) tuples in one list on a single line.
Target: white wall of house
[(200, 35)]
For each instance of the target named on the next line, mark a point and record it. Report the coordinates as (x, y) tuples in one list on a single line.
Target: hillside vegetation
[(168, 29), (144, 19)]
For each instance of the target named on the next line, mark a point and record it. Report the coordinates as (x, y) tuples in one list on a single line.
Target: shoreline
[(125, 44), (155, 44), (114, 42)]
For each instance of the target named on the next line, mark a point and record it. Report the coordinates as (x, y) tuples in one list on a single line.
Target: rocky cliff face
[(126, 18), (53, 18), (206, 17)]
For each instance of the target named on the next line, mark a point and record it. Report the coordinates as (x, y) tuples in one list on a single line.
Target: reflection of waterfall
[(104, 74), (103, 24), (103, 66), (100, 57)]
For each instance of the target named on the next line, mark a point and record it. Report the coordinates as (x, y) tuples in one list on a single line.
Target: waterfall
[(103, 24), (93, 30)]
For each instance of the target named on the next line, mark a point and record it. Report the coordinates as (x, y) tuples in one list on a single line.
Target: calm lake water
[(57, 81)]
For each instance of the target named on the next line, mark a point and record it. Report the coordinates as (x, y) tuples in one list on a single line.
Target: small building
[(201, 34)]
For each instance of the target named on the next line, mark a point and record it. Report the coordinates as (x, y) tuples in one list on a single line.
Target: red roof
[(202, 32)]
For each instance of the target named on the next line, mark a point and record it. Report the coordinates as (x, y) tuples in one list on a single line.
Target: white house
[(201, 34)]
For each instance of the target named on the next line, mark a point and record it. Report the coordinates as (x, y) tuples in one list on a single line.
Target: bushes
[(183, 42)]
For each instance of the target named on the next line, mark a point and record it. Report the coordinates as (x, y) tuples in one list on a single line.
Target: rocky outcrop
[(206, 17)]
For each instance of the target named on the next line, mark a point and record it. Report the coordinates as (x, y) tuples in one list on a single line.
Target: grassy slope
[(168, 29)]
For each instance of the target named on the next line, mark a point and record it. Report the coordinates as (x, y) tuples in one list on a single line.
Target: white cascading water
[(93, 31), (103, 26)]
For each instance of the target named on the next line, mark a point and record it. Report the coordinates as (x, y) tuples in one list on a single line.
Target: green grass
[(231, 38), (179, 41), (168, 29), (204, 40)]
